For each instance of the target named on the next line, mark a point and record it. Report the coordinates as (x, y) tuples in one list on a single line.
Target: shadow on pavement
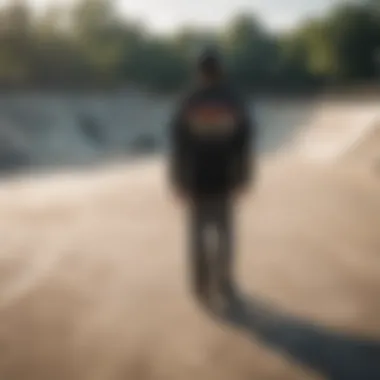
[(333, 355)]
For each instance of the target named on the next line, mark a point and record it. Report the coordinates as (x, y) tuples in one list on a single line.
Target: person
[(211, 139)]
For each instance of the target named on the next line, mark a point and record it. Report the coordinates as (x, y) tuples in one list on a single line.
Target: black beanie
[(209, 63)]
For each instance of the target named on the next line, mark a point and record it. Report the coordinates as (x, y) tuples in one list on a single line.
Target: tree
[(252, 53), (91, 45), (96, 30), (16, 42), (354, 32)]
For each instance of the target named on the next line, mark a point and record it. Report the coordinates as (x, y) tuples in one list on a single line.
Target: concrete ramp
[(68, 129), (366, 150), (336, 128)]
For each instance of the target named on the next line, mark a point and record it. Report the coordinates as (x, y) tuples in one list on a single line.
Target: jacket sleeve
[(179, 146), (245, 147)]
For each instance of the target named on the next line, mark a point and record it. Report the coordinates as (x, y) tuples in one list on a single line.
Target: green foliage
[(252, 53), (91, 45), (355, 34)]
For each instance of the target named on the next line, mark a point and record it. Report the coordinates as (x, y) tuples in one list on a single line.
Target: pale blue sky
[(169, 14), (166, 15)]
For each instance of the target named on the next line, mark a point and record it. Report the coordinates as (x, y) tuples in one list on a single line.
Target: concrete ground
[(93, 279)]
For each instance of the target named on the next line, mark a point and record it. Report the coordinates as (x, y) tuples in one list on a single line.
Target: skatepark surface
[(94, 286)]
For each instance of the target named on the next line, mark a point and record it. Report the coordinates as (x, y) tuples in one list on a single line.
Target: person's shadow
[(336, 356)]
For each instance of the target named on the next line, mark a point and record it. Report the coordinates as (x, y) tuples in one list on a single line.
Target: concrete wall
[(43, 129), (51, 129)]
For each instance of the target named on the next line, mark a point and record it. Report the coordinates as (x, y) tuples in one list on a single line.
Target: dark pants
[(211, 245)]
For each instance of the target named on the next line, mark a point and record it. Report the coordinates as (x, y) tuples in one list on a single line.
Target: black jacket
[(212, 140)]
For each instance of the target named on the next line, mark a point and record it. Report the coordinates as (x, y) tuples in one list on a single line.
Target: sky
[(277, 14), (168, 15)]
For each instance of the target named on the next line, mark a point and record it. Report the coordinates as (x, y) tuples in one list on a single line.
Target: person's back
[(211, 139)]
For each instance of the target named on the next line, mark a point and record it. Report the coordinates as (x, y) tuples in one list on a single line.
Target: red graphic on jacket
[(211, 119)]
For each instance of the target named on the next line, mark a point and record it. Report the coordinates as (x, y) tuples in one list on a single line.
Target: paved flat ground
[(93, 279)]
